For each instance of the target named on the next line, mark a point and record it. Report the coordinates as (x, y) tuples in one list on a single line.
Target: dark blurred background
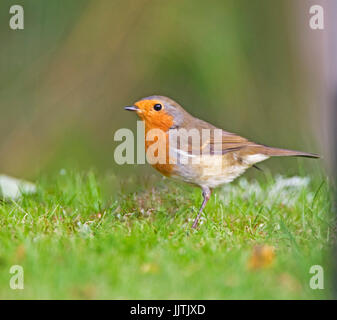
[(250, 67)]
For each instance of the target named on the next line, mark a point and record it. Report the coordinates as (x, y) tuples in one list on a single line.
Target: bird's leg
[(206, 193)]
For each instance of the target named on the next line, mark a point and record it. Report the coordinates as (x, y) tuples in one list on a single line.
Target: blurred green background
[(65, 78)]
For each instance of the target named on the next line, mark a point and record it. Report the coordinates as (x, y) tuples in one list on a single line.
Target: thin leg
[(206, 193)]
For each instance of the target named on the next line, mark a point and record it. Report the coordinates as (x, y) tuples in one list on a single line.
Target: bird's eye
[(157, 107)]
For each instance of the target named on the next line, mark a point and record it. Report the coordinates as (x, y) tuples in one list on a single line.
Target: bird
[(222, 156)]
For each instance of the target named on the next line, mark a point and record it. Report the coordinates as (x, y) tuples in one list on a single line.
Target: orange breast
[(162, 144)]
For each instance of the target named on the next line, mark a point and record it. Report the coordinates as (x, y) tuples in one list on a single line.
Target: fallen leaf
[(262, 257), (149, 268)]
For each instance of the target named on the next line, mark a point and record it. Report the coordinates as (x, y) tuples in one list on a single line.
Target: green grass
[(75, 243)]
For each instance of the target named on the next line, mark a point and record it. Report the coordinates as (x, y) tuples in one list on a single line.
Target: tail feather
[(277, 152)]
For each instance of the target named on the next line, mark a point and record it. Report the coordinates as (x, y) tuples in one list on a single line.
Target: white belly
[(214, 170)]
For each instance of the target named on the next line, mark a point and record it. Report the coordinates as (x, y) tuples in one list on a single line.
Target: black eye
[(157, 107)]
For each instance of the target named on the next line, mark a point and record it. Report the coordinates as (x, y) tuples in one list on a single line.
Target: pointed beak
[(131, 108)]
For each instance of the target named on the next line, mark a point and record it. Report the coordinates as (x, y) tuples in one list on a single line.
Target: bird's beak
[(131, 108)]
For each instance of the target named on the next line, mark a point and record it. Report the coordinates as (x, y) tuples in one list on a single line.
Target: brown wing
[(224, 142), (230, 142), (221, 142), (213, 140)]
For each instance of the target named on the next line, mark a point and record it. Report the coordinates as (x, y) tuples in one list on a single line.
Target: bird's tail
[(277, 152)]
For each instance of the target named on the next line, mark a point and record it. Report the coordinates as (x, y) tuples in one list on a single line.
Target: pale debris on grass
[(84, 229), (12, 189), (285, 191)]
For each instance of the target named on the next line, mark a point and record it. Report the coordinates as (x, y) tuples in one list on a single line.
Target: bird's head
[(159, 112)]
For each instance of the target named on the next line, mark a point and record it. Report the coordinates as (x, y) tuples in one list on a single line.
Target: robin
[(222, 156)]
